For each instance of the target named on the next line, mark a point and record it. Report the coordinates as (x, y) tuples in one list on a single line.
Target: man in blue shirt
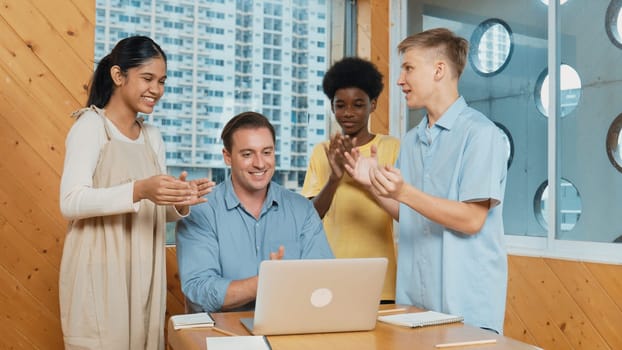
[(245, 220), (446, 189)]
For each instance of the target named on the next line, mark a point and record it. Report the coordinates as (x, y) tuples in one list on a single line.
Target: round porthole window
[(570, 90), (509, 142), (613, 22), (614, 143), (490, 47), (570, 205)]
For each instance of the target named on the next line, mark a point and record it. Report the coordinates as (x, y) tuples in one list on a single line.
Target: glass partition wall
[(563, 127)]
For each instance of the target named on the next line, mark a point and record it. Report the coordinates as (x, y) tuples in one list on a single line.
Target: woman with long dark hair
[(117, 196)]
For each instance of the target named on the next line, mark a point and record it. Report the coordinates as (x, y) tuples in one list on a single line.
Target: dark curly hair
[(353, 72)]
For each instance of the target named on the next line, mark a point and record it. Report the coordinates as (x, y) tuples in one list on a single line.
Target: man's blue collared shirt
[(220, 241), (463, 157)]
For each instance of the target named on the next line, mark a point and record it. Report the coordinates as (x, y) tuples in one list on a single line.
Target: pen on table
[(220, 330), (386, 311), (265, 339), (465, 343)]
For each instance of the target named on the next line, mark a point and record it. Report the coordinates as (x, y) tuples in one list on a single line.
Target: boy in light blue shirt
[(446, 190)]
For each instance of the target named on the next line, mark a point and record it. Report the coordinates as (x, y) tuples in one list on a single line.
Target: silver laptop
[(317, 296)]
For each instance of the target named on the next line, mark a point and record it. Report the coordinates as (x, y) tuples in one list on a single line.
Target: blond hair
[(449, 45)]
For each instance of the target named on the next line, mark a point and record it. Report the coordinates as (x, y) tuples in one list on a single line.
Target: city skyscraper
[(225, 57)]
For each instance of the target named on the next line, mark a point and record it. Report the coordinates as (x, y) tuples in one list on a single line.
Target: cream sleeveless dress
[(112, 275)]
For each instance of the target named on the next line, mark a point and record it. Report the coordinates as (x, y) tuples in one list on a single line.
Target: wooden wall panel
[(373, 44), (515, 323), (48, 42), (11, 339), (25, 69), (538, 322), (610, 278), (28, 317), (74, 26), (601, 311), (176, 299), (34, 273), (29, 200), (564, 304), (46, 55)]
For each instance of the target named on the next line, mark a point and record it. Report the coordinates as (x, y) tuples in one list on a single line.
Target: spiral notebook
[(420, 319)]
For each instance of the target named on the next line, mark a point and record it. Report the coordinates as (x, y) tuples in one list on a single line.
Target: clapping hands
[(381, 180), (338, 146)]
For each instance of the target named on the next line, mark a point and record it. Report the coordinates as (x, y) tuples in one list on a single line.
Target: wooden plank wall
[(373, 23), (46, 55), (46, 58), (559, 304)]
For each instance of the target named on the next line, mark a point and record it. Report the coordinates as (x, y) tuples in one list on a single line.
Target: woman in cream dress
[(116, 194)]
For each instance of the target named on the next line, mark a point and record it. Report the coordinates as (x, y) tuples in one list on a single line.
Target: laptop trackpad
[(248, 323)]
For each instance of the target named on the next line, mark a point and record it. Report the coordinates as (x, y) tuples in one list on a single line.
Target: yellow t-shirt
[(356, 226)]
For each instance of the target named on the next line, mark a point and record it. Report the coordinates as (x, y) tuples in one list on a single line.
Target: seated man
[(245, 220)]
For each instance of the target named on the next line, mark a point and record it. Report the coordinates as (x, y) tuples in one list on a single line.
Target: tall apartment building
[(225, 57)]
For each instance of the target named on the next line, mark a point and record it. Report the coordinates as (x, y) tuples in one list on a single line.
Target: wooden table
[(384, 336)]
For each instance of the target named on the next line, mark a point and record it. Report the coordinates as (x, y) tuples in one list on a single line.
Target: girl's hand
[(163, 190), (203, 186), (200, 188)]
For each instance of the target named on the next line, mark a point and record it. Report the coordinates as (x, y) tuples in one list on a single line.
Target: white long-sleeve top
[(78, 198)]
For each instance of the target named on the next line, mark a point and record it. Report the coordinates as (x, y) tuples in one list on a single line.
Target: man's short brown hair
[(244, 120)]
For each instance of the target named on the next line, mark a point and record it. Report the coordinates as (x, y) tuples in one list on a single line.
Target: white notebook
[(245, 342), (201, 319), (420, 319)]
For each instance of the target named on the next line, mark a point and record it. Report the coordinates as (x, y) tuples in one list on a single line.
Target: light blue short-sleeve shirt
[(220, 241), (463, 157)]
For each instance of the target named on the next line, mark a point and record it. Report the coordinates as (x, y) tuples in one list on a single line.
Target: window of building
[(613, 22), (490, 47), (570, 93), (564, 172), (509, 142), (614, 143), (570, 201)]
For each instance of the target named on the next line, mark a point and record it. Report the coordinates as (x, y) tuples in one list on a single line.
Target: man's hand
[(278, 255)]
